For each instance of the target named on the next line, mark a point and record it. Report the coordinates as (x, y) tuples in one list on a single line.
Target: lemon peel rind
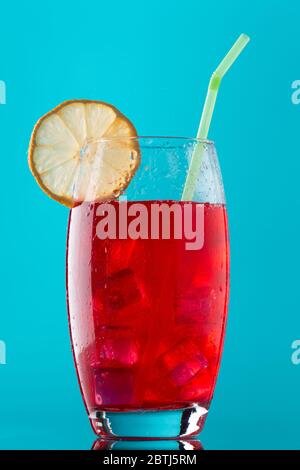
[(66, 201)]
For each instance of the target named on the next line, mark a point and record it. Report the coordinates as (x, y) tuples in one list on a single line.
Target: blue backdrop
[(153, 60)]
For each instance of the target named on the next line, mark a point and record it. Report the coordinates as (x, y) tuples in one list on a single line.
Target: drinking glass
[(147, 287)]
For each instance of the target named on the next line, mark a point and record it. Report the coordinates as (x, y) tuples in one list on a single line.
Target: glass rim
[(156, 138)]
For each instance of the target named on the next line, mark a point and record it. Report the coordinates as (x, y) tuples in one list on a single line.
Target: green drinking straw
[(213, 88)]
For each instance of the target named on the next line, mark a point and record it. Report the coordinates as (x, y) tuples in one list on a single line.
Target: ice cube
[(183, 362), (116, 291), (187, 370), (119, 299), (196, 304), (117, 348), (199, 388), (174, 372), (113, 387), (122, 289), (120, 255)]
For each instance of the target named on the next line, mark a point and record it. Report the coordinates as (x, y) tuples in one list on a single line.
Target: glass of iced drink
[(147, 280), (147, 262)]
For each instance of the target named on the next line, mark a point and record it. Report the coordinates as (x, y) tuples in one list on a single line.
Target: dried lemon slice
[(83, 151)]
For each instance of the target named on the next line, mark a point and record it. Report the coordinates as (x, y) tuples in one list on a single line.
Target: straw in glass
[(213, 88)]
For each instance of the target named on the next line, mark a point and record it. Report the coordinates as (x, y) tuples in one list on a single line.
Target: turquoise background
[(153, 59)]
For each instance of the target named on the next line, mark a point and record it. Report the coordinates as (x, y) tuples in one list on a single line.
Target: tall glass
[(147, 281)]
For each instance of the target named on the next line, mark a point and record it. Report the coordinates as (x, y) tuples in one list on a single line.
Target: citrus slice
[(83, 151)]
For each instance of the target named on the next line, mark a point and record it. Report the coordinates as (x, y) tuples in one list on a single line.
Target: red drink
[(147, 316)]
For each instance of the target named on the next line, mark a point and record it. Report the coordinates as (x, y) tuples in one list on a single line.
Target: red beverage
[(147, 316)]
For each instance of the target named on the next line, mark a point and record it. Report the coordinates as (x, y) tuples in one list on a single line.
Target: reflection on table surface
[(109, 444)]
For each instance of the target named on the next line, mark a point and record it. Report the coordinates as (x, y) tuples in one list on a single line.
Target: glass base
[(154, 424)]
